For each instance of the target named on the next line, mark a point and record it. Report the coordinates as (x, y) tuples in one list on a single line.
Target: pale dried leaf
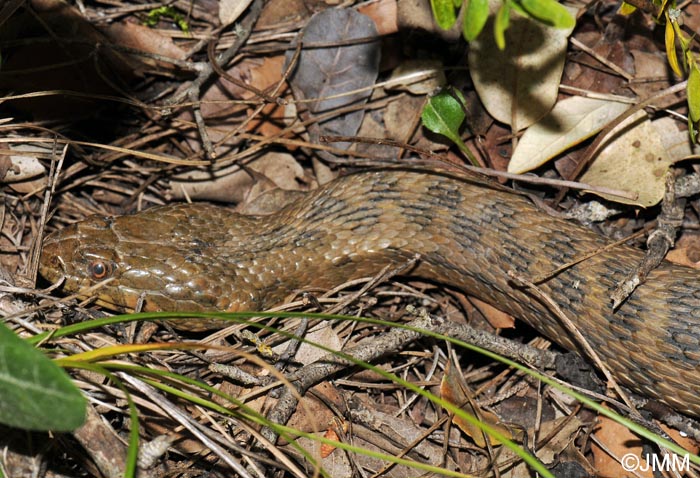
[(25, 166), (230, 10), (409, 74), (519, 85), (231, 184), (308, 353), (634, 160), (570, 122), (675, 140)]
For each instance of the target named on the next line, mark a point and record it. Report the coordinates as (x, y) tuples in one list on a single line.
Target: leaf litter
[(339, 63)]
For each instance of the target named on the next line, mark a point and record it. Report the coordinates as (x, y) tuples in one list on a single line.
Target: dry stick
[(413, 444), (52, 301), (103, 446), (186, 421), (373, 348), (212, 441), (246, 27), (275, 96), (658, 243), (688, 185), (645, 6), (367, 350), (55, 171), (331, 114), (385, 274), (9, 9), (603, 135), (79, 94), (548, 275), (193, 96), (211, 54), (484, 171), (601, 59), (118, 149), (193, 91)]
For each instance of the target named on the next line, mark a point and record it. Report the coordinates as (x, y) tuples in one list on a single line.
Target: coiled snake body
[(468, 234)]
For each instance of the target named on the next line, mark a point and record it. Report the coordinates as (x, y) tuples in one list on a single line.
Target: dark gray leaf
[(328, 71)]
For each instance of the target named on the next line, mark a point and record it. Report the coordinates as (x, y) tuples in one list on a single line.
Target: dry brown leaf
[(567, 431), (411, 69), (687, 251), (222, 112), (497, 318), (417, 15), (382, 432), (270, 122), (276, 12), (260, 74), (395, 115), (620, 441), (142, 38), (384, 14), (455, 390), (332, 434), (647, 66), (233, 185), (627, 446)]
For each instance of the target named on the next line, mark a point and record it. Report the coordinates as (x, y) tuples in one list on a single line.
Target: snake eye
[(100, 269)]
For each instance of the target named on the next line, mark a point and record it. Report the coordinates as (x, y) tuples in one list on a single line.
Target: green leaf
[(444, 13), (691, 131), (475, 16), (444, 115), (500, 25), (550, 12), (693, 91), (155, 15), (35, 393)]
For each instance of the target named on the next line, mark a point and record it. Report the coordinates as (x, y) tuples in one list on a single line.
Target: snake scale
[(469, 234)]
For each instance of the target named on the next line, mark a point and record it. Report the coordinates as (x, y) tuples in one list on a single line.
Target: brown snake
[(468, 234)]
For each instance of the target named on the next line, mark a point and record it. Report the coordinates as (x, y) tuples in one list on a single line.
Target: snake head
[(148, 261), (66, 258)]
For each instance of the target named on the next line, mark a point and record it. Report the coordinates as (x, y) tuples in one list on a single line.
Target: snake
[(469, 235)]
